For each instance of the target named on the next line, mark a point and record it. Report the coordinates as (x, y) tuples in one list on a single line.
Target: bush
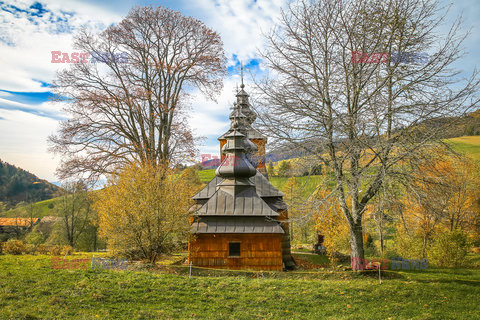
[(67, 250), (55, 250), (450, 249), (42, 249), (15, 247), (160, 200), (30, 248), (408, 246), (35, 237), (57, 235)]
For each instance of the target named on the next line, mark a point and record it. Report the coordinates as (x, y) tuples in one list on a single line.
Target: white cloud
[(45, 109), (239, 22), (27, 41), (211, 119), (23, 141)]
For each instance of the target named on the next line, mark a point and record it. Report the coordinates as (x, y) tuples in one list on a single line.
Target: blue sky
[(30, 30)]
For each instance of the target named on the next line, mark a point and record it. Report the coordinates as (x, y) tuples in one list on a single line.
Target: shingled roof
[(17, 222), (263, 188), (236, 225), (246, 203), (233, 202)]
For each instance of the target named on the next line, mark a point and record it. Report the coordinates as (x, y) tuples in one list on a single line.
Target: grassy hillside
[(39, 209), (17, 185), (308, 184), (206, 175), (469, 145), (31, 289)]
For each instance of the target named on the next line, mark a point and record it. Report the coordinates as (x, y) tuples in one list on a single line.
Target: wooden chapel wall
[(258, 251)]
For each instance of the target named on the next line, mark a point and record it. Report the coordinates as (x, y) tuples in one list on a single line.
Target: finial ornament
[(241, 74)]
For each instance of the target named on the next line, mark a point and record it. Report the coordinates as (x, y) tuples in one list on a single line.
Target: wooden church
[(239, 218)]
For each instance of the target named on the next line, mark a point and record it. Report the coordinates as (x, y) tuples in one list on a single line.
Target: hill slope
[(17, 185), (469, 145)]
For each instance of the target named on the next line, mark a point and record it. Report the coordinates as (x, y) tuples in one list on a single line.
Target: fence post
[(190, 274)]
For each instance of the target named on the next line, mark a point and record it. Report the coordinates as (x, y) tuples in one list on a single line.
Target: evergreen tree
[(270, 169), (284, 169)]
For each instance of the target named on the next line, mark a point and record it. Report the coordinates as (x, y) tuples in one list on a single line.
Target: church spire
[(236, 165), (244, 104)]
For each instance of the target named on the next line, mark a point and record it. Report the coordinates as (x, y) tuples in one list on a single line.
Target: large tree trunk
[(356, 244)]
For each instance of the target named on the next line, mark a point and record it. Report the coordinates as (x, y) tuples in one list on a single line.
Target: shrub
[(408, 246), (30, 248), (450, 249), (35, 237), (67, 250), (15, 247), (55, 250), (139, 197), (57, 235), (42, 249)]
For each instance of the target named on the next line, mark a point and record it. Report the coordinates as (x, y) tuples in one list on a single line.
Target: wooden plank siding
[(260, 154), (257, 251)]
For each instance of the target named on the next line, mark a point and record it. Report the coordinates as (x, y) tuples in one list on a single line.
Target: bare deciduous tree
[(128, 104), (344, 87), (75, 209)]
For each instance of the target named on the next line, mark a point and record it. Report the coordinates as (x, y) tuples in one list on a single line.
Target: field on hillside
[(40, 209), (31, 289), (206, 175), (469, 145), (307, 184)]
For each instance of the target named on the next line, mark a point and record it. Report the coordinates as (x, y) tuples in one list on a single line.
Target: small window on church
[(234, 249)]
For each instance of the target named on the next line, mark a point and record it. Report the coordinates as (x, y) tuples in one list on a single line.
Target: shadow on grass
[(385, 274), (472, 283)]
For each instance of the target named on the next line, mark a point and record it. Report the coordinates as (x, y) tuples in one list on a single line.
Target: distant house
[(50, 219)]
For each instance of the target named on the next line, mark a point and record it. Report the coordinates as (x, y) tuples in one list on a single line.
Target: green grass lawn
[(307, 184), (469, 145), (206, 175), (316, 259), (31, 289)]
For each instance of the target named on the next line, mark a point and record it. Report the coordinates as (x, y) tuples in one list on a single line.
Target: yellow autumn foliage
[(443, 197), (330, 222), (143, 212)]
